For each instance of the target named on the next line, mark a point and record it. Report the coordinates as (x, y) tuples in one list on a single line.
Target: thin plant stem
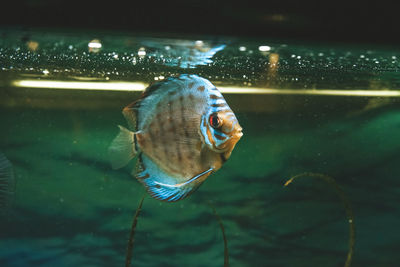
[(129, 249), (346, 203)]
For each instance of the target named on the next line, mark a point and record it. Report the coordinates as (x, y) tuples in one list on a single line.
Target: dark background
[(333, 21)]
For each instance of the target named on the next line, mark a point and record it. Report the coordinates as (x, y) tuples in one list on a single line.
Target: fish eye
[(215, 121)]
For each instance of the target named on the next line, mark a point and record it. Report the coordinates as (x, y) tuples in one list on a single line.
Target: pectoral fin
[(122, 148)]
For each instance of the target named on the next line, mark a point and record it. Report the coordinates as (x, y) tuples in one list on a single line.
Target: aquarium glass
[(327, 114)]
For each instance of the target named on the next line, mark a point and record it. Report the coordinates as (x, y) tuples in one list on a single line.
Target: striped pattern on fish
[(183, 130)]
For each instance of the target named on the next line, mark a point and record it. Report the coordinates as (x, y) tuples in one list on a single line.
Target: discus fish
[(182, 130), (7, 183)]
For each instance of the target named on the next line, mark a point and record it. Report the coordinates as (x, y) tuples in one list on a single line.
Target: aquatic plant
[(129, 250), (226, 253), (345, 201)]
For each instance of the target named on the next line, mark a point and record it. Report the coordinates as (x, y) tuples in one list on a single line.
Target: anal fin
[(164, 187)]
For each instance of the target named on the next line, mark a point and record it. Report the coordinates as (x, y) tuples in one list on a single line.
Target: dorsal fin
[(157, 85), (154, 86), (130, 112), (163, 186)]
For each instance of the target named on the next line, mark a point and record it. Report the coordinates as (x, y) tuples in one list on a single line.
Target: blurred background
[(339, 21)]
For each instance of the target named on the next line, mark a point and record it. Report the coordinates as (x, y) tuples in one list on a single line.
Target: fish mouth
[(238, 133)]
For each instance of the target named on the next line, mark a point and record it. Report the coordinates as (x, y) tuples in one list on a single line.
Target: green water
[(72, 209)]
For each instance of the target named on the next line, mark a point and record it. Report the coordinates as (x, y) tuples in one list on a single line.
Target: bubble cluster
[(229, 61)]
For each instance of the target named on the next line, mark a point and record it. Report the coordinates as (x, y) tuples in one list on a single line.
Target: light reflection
[(32, 45), (159, 78), (272, 68), (139, 86), (94, 46), (142, 52), (264, 48), (327, 92), (276, 17), (199, 44), (108, 86), (183, 53), (273, 62)]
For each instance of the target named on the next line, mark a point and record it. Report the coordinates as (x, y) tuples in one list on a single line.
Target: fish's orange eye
[(215, 121)]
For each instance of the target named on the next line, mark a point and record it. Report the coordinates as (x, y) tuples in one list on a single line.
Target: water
[(323, 108)]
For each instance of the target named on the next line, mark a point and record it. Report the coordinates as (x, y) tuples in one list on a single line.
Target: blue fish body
[(182, 130)]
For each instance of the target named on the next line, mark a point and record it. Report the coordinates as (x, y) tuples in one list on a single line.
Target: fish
[(181, 130), (7, 183)]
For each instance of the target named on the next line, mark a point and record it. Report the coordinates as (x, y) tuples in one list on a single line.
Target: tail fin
[(7, 183), (122, 148)]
